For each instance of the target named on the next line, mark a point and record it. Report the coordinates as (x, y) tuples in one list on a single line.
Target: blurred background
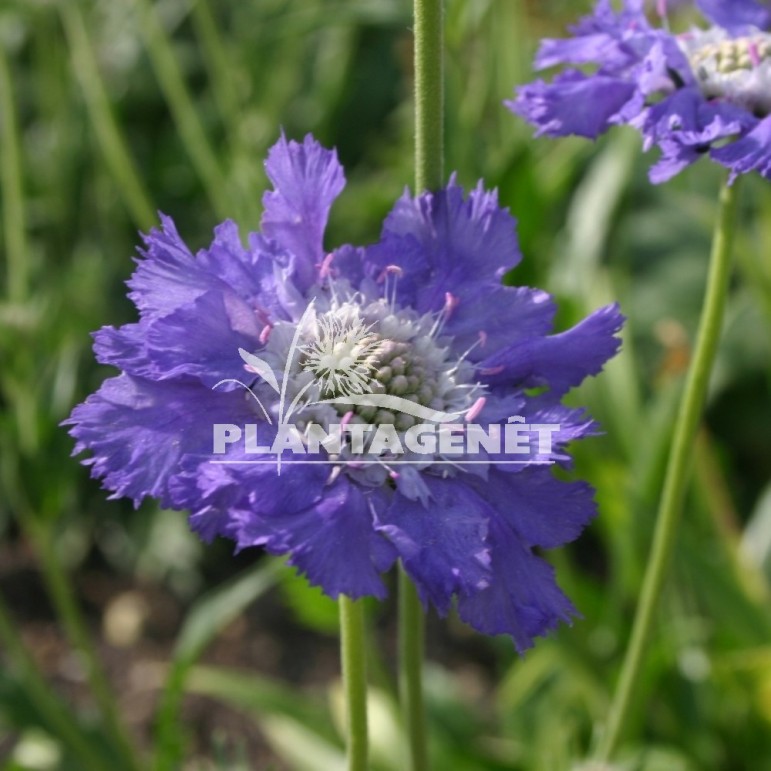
[(127, 644)]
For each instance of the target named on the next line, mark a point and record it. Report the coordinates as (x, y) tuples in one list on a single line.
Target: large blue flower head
[(245, 358), (707, 90)]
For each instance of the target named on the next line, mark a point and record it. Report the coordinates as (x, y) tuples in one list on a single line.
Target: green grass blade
[(108, 133), (182, 107), (14, 218), (53, 713), (208, 617)]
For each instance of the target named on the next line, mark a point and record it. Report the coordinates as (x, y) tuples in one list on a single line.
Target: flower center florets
[(736, 69), (358, 360), (343, 354), (373, 348)]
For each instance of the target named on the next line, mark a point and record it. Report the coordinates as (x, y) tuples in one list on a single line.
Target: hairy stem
[(354, 664), (678, 467)]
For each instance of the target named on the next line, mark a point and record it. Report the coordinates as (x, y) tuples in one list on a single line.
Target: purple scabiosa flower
[(245, 357), (707, 90)]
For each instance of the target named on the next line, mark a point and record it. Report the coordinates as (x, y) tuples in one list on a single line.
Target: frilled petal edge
[(750, 153), (574, 103), (442, 541), (559, 361), (138, 430), (306, 179), (522, 599)]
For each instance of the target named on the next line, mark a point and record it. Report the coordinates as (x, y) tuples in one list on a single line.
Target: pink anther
[(390, 270), (265, 334), (262, 315), (451, 302), (475, 409), (752, 49), (325, 268)]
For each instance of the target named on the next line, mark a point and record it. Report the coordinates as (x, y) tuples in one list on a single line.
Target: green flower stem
[(411, 664), (429, 175), (429, 95), (354, 663), (678, 466)]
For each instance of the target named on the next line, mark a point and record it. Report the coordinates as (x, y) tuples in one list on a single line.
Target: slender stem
[(411, 664), (429, 94), (429, 175), (678, 466), (354, 662)]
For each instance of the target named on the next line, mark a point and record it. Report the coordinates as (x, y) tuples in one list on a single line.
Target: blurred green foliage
[(113, 109)]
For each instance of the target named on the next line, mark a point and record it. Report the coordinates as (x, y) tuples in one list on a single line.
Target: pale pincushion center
[(735, 69)]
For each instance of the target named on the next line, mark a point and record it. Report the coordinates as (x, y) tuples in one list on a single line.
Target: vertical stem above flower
[(670, 506), (429, 95), (354, 665), (429, 175)]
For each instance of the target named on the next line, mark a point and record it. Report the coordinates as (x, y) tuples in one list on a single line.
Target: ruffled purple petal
[(684, 126), (687, 118), (123, 347), (574, 423), (198, 340), (523, 599), (307, 179), (545, 511), (559, 425), (675, 157), (750, 153), (560, 361), (442, 544), (574, 103), (606, 19), (169, 275), (248, 272), (333, 542), (490, 316), (443, 241), (244, 499), (138, 430), (584, 49)]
